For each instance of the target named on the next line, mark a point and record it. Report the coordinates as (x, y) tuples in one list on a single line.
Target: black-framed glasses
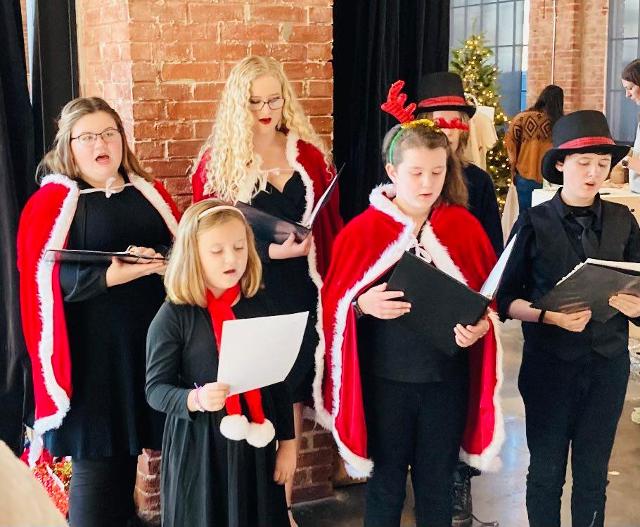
[(273, 104), (109, 135)]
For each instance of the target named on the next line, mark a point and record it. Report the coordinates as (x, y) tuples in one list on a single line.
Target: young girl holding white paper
[(220, 462)]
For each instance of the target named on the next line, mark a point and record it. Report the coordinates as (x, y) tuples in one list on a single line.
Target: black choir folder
[(97, 257), (275, 229), (439, 302), (590, 285)]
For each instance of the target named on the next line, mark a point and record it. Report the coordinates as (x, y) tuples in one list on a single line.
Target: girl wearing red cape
[(391, 399)]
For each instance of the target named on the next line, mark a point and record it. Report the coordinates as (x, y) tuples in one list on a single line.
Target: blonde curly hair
[(232, 169)]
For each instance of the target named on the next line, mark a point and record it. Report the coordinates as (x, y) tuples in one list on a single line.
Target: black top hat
[(443, 91), (585, 131)]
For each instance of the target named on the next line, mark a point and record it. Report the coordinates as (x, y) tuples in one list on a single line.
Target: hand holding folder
[(275, 229), (590, 286), (439, 302)]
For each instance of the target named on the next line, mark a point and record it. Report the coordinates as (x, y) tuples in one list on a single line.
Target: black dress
[(483, 203), (208, 480), (107, 327), (288, 282)]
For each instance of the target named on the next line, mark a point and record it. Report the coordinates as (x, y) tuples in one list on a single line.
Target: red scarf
[(220, 310)]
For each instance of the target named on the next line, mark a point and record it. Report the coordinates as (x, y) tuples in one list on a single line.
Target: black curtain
[(377, 42), (16, 172), (54, 75)]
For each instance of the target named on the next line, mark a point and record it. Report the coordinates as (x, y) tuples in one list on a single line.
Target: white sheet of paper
[(257, 352)]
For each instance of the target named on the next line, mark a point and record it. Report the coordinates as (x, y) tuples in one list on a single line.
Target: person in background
[(442, 100), (528, 139), (85, 325), (631, 84)]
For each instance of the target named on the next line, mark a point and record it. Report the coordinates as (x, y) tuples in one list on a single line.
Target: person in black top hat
[(442, 100), (574, 370)]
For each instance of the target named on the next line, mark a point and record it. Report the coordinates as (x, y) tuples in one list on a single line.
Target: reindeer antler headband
[(395, 106)]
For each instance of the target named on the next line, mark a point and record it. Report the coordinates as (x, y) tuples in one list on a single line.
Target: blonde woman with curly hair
[(264, 151), (85, 324)]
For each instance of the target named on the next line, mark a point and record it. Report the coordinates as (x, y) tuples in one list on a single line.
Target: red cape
[(44, 224), (309, 162), (366, 248)]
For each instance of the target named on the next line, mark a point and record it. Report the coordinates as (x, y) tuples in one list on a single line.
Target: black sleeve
[(283, 411), (491, 216), (516, 280), (262, 247), (81, 282), (165, 345), (632, 251)]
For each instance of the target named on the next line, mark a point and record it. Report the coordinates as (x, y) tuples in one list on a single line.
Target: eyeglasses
[(274, 104), (110, 135)]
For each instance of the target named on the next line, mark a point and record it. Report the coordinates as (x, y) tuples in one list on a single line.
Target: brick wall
[(581, 51), (162, 64)]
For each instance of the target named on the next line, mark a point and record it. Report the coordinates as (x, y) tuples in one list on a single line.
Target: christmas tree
[(473, 62)]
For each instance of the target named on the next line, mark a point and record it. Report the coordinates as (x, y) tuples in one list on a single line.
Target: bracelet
[(357, 308), (198, 403), (541, 316)]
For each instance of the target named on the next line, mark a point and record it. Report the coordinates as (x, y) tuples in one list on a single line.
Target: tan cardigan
[(527, 140)]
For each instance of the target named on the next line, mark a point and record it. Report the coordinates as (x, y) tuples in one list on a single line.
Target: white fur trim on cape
[(292, 154), (44, 281), (489, 460), (155, 198)]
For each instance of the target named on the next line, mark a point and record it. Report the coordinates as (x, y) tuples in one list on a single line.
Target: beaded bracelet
[(198, 403)]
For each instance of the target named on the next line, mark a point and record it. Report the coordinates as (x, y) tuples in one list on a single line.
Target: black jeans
[(101, 492), (418, 425), (575, 404)]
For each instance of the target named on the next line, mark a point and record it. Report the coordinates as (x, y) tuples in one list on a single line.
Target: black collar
[(567, 212)]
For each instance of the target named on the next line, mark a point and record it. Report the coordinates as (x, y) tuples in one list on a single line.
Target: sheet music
[(490, 287)]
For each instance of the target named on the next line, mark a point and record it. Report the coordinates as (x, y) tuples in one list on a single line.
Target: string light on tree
[(474, 63)]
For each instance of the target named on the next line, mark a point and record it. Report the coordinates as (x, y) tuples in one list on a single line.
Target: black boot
[(462, 503)]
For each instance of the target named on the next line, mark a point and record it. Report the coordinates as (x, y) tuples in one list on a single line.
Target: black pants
[(575, 404), (420, 425), (101, 492)]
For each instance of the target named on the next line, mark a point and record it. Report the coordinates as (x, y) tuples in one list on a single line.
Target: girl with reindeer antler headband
[(389, 396)]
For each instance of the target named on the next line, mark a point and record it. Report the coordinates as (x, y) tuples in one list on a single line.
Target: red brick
[(321, 473), (165, 168), (317, 106), (304, 71), (208, 92), (143, 71), (321, 14), (315, 457), (322, 125), (173, 52), (149, 150), (176, 91), (323, 439), (189, 110), (216, 12), (145, 111), (319, 51), (271, 13), (308, 424), (203, 128), (178, 186), (182, 32), (140, 51), (320, 89), (182, 202), (183, 148), (146, 91), (240, 31), (209, 51), (307, 34), (196, 72)]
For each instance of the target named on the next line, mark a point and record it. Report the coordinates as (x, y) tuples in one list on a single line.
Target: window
[(624, 46), (505, 29)]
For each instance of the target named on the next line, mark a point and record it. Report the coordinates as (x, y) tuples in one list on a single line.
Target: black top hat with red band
[(443, 91), (584, 131)]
